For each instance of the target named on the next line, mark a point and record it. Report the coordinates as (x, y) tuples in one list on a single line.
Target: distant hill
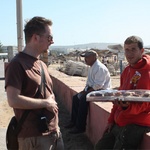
[(85, 46), (148, 46), (66, 49)]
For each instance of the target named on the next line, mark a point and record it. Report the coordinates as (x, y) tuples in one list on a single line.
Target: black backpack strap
[(24, 115), (43, 85), (20, 122)]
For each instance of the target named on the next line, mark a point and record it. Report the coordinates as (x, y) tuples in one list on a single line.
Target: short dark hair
[(36, 26), (134, 39)]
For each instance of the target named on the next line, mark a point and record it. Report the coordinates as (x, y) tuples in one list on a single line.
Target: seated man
[(129, 121), (98, 78)]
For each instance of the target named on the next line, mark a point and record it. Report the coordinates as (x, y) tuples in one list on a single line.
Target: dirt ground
[(72, 142)]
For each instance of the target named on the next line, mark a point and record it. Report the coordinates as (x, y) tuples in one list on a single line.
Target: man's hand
[(51, 104), (121, 103)]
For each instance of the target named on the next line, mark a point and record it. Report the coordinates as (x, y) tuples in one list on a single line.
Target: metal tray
[(138, 95)]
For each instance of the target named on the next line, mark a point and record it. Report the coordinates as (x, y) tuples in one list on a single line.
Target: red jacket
[(137, 77)]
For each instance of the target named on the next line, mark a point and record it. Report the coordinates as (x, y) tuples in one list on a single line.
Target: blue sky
[(81, 21)]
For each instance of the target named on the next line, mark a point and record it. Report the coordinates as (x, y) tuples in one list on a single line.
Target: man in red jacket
[(129, 121)]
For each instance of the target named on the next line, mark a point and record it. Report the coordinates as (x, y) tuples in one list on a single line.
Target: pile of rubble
[(75, 68)]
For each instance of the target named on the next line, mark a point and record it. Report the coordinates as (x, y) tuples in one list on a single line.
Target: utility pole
[(19, 24)]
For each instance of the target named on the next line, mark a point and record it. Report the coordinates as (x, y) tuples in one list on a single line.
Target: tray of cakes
[(124, 95)]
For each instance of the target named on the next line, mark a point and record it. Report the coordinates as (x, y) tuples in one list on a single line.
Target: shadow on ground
[(71, 141)]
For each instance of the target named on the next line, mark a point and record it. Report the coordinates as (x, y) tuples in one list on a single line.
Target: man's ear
[(142, 50), (35, 37)]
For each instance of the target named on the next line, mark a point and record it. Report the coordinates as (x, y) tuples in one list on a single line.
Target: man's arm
[(16, 100)]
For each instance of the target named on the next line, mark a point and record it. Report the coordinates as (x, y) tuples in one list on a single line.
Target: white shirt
[(98, 76)]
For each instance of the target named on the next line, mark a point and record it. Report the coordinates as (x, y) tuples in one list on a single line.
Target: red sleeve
[(136, 108), (111, 117)]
